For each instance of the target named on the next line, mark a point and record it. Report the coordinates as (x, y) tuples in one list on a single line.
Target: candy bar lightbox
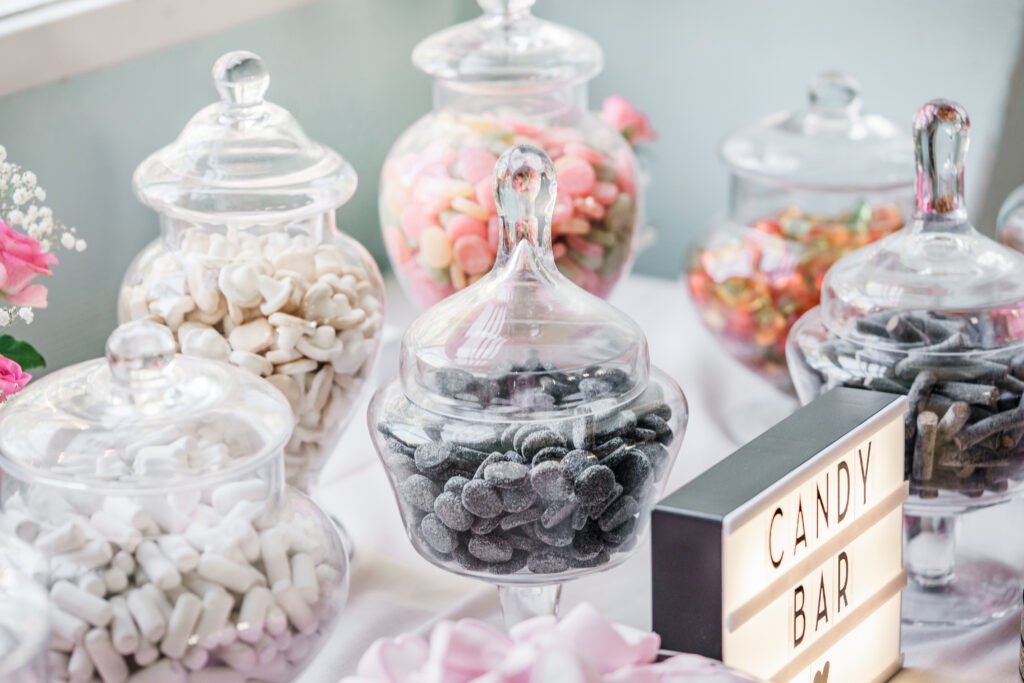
[(785, 560)]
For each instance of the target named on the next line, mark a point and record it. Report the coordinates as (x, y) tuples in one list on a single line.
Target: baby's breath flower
[(5, 317), (26, 314), (67, 240)]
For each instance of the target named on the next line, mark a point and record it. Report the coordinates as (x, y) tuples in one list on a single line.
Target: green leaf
[(21, 352)]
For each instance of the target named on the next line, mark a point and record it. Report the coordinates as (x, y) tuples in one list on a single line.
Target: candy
[(528, 503), (306, 315), (752, 286), (444, 182)]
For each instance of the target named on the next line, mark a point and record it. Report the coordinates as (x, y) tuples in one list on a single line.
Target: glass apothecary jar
[(24, 630), (153, 486), (527, 437), (506, 78), (250, 267), (807, 187), (936, 312)]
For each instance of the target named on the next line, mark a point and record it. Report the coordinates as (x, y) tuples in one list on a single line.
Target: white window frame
[(42, 41)]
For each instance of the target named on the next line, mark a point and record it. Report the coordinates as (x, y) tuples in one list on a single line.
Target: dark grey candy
[(554, 453), (594, 484), (521, 542), (455, 484), (434, 457), (488, 461), (658, 456), (621, 533), (633, 470), (518, 561), (551, 481), (478, 437), (609, 447), (597, 510), (401, 466), (618, 513), (449, 509), (575, 462), (506, 475), (538, 441), (619, 423), (654, 423), (419, 492), (588, 542), (518, 519), (547, 562), (580, 517), (523, 432), (437, 535), (583, 432), (466, 559), (601, 558), (518, 498), (592, 388), (508, 436), (484, 525), (452, 381), (641, 434), (482, 499), (490, 548), (557, 513), (396, 446), (559, 536), (533, 399)]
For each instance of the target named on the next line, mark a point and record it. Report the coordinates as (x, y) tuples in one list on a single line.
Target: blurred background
[(699, 70)]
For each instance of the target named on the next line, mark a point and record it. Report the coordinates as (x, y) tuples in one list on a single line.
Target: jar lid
[(831, 145), (143, 417), (506, 47), (243, 159), (524, 342), (938, 263)]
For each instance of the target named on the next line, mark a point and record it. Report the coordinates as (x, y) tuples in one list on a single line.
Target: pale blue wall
[(342, 66)]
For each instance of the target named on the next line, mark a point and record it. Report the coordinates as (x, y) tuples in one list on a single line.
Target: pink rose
[(618, 113), (12, 378), (21, 259)]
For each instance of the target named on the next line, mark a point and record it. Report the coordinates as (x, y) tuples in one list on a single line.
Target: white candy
[(228, 495), (304, 577), (81, 603), (70, 536), (111, 527), (157, 567), (80, 666), (115, 580), (147, 615), (216, 675), (65, 625), (239, 656), (195, 658), (251, 616), (217, 605), (109, 664), (234, 576), (164, 671), (146, 654), (256, 335), (123, 631), (299, 613), (183, 620), (127, 509)]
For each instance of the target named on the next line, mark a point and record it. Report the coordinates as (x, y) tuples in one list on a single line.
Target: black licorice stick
[(977, 394), (924, 446), (972, 434), (953, 420), (887, 385), (947, 370), (920, 389), (954, 342), (902, 329)]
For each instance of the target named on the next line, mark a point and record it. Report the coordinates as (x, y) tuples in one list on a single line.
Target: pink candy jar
[(504, 79)]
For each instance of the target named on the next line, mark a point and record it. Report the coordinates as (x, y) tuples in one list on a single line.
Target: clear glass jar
[(250, 267), (936, 312), (153, 486), (1010, 223), (807, 187), (527, 437), (24, 629), (506, 78)]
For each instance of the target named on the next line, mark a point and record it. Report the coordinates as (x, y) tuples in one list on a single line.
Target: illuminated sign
[(785, 560)]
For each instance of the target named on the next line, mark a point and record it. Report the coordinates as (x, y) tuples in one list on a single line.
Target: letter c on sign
[(771, 528)]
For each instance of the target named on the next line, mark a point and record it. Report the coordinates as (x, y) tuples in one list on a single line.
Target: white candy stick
[(93, 554), (239, 656), (58, 662), (300, 649), (123, 632), (115, 580), (164, 671), (274, 549), (116, 530), (228, 495), (199, 586), (234, 576), (93, 584), (217, 605), (64, 539), (80, 666), (195, 658), (253, 613), (168, 517), (123, 561), (179, 627), (146, 654), (276, 622), (304, 577), (19, 523), (109, 664), (158, 598), (147, 615), (266, 650), (297, 609), (81, 604), (160, 570), (128, 510), (179, 551), (67, 626), (60, 644)]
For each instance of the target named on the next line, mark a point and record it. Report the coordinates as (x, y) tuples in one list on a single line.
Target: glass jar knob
[(138, 354), (835, 94), (241, 79), (941, 136), (505, 7), (525, 187)]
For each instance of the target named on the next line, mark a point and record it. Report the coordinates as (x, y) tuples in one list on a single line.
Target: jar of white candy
[(153, 486), (23, 625), (250, 267)]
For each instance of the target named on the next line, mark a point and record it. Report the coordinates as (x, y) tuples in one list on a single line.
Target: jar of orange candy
[(806, 188)]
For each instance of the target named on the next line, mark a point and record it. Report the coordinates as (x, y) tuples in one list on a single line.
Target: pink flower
[(21, 259), (12, 378), (618, 113)]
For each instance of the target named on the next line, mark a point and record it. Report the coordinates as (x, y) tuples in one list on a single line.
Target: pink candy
[(476, 164), (473, 254), (463, 225), (414, 221), (575, 175), (584, 647)]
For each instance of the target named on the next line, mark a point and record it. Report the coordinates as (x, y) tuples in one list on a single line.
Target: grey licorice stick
[(977, 394), (936, 403), (921, 387), (924, 446), (950, 369), (983, 429), (887, 385), (901, 328), (954, 342), (935, 329), (1017, 366), (953, 421)]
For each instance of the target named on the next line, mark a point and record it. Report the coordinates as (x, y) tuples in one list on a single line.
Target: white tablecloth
[(394, 590)]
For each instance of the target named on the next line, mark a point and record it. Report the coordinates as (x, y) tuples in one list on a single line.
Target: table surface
[(394, 590)]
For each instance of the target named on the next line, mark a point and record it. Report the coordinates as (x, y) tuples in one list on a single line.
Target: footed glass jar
[(250, 267), (807, 188), (506, 78), (936, 312), (527, 437), (153, 486)]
